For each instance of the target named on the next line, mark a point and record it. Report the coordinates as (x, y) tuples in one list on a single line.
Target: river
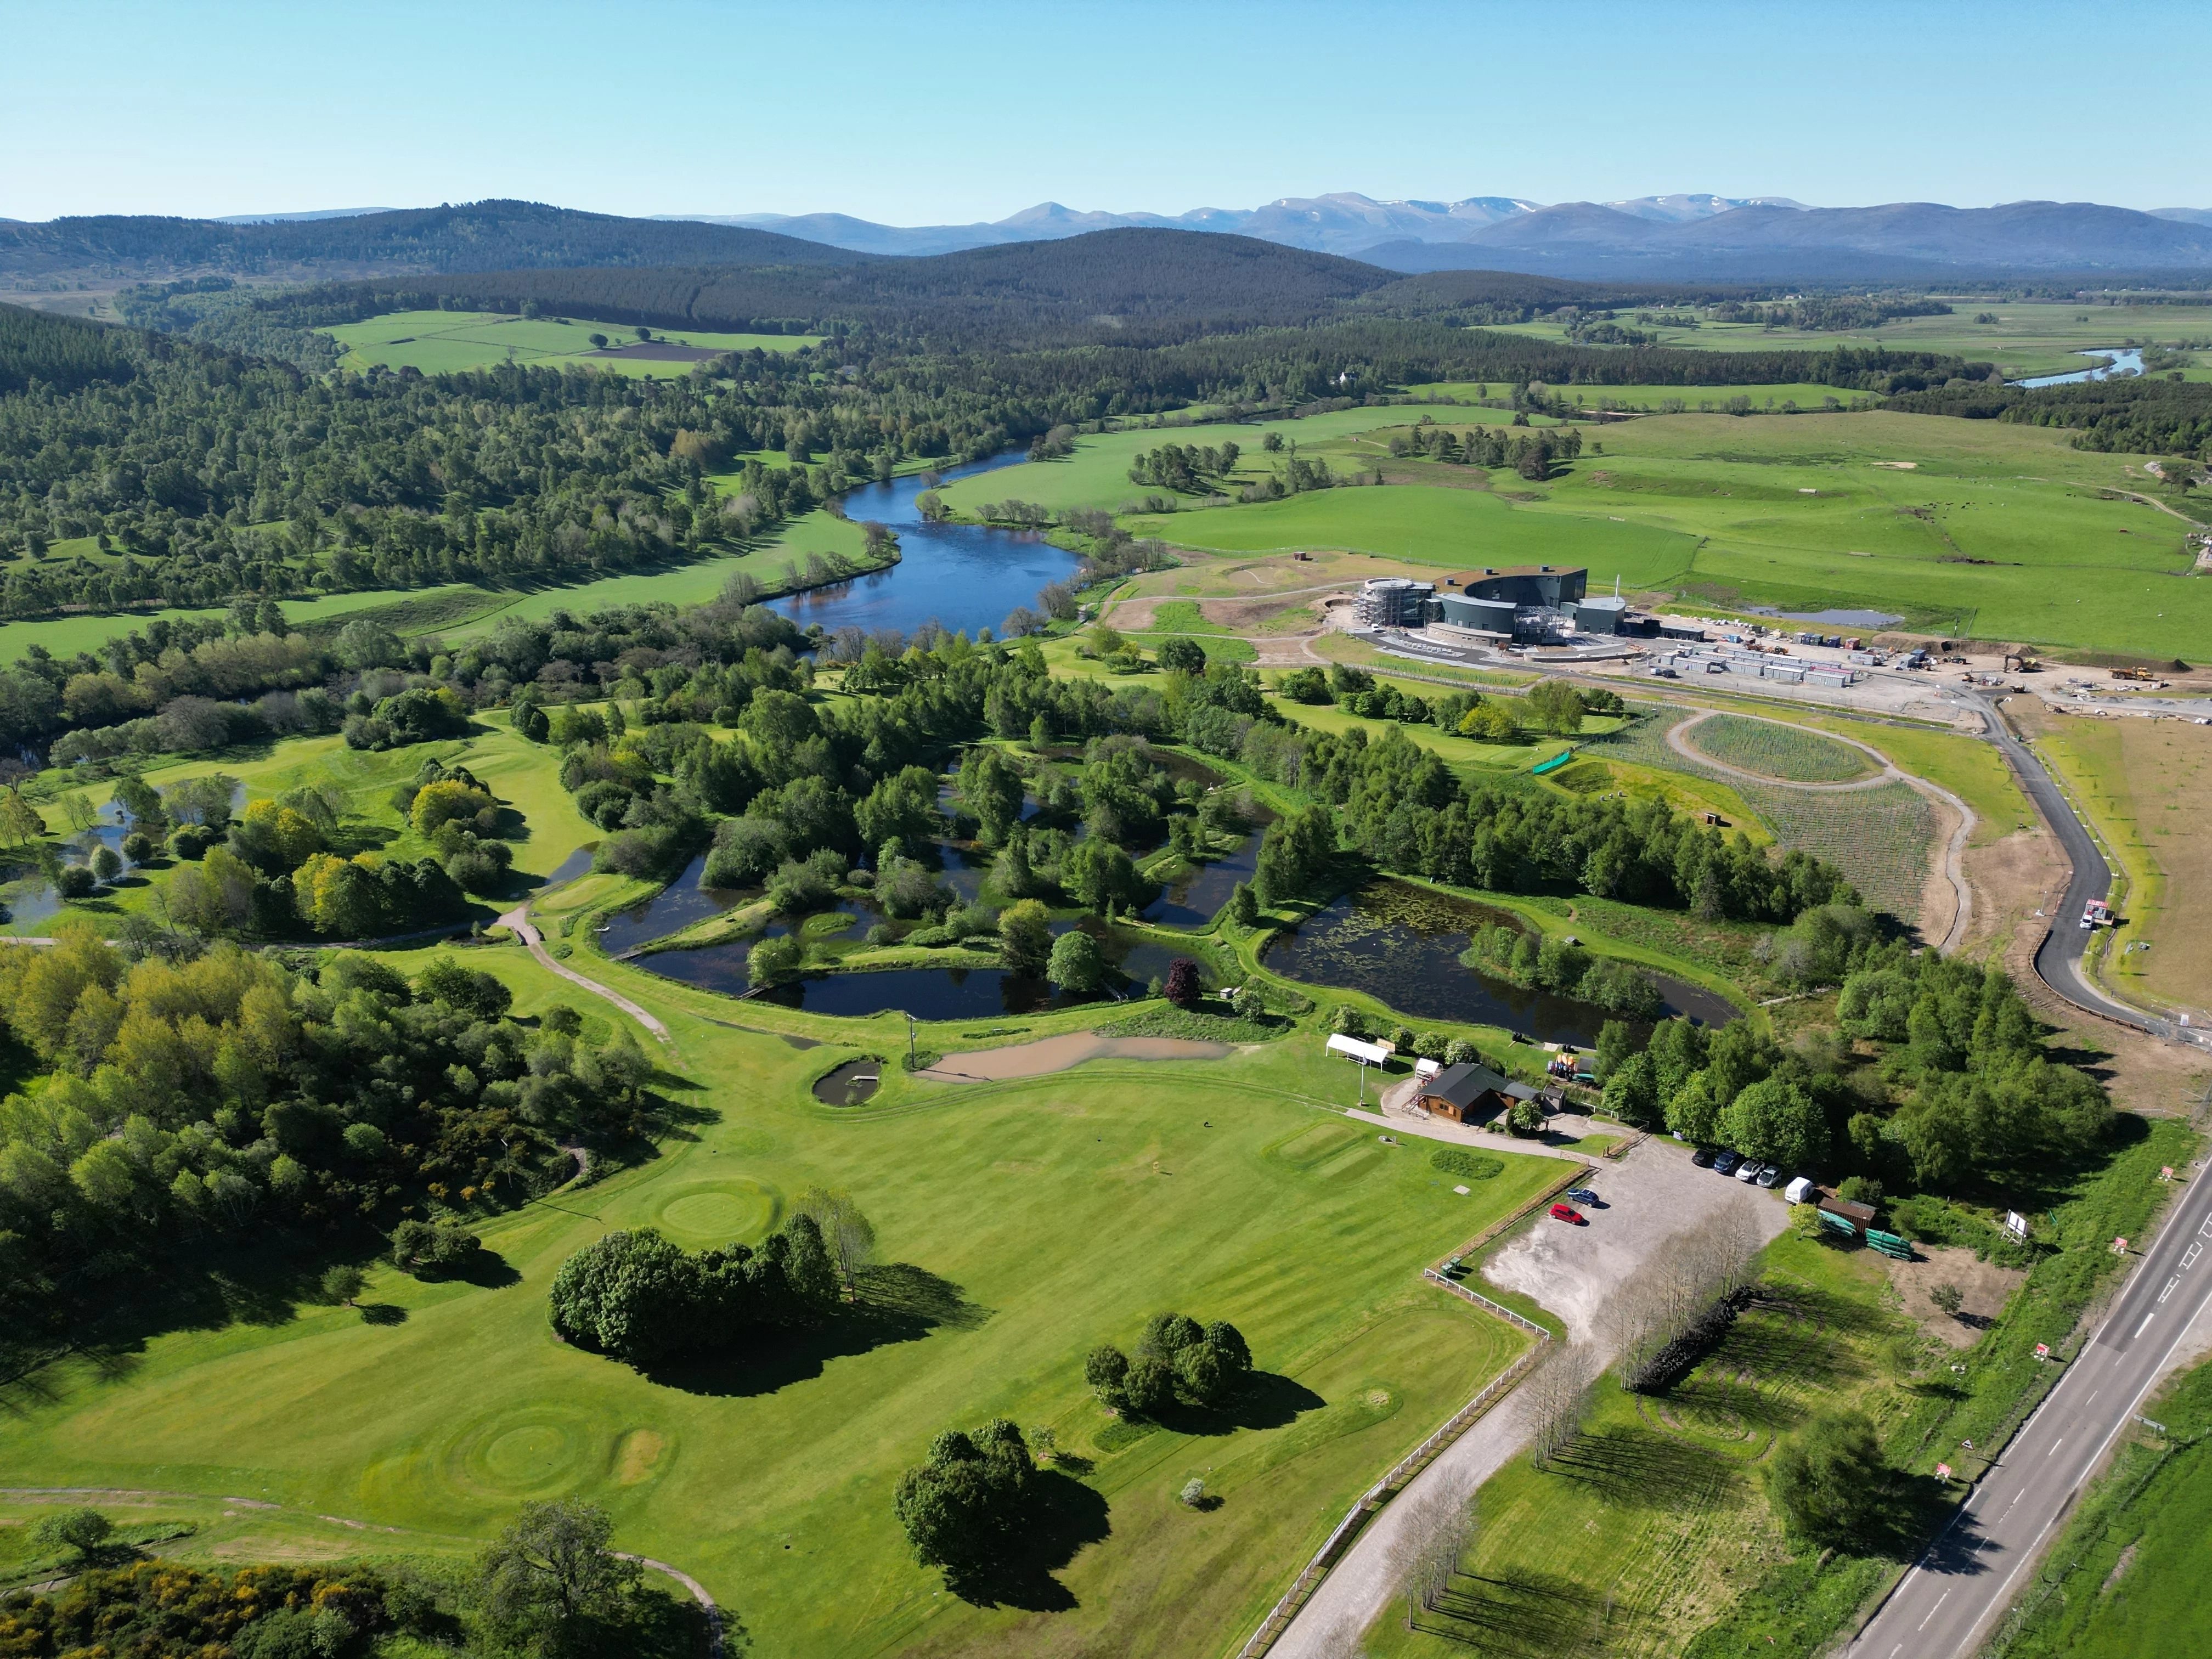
[(2124, 360), (966, 576)]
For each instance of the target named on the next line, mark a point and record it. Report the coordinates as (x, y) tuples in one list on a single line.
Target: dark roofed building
[(1469, 1094)]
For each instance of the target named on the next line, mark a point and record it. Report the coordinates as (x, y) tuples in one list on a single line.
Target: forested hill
[(474, 236), (1141, 286)]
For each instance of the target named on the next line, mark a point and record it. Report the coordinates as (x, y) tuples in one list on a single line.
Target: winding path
[(1954, 851), (519, 920)]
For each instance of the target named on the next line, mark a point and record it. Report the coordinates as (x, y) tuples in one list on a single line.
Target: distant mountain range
[(1689, 237), (1344, 223), (1682, 238)]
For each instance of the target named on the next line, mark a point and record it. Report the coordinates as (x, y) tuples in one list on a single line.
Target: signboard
[(2015, 1224), (2119, 1247), (2166, 1172), (2043, 1351), (1943, 1471)]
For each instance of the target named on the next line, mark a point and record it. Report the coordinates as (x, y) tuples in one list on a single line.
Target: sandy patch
[(636, 1454), (2012, 879), (1058, 1054), (1984, 1288)]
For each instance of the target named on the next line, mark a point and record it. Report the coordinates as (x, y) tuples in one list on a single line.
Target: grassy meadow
[(447, 342), (1028, 1222), (2030, 337)]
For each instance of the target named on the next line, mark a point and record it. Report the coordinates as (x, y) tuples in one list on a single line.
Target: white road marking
[(2169, 1290), (2145, 1325), (1940, 1601), (2189, 1255), (2055, 1445), (2092, 1400)]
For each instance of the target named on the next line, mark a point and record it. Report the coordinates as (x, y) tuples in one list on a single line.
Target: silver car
[(1749, 1169), (1770, 1176)]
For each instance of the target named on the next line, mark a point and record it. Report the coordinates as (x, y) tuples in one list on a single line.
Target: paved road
[(2058, 958), (1968, 1577)]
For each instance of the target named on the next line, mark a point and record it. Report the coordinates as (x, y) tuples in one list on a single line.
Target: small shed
[(1468, 1093), (1367, 1054), (1858, 1217), (1426, 1069)]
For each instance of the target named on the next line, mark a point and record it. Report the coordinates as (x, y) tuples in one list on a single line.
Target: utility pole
[(910, 1042)]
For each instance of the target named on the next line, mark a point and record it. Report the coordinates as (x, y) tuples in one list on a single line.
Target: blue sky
[(947, 113)]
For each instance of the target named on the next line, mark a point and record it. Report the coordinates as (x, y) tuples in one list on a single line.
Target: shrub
[(75, 881)]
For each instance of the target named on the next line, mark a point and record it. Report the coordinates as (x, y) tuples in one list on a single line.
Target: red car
[(1567, 1213)]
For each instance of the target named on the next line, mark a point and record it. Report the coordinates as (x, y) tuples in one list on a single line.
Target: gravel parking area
[(1652, 1193)]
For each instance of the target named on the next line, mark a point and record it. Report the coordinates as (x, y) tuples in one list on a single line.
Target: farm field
[(459, 610), (1449, 528), (1096, 476), (2029, 337), (770, 1479), (1778, 752), (445, 342), (1652, 1520), (1806, 394), (1996, 532)]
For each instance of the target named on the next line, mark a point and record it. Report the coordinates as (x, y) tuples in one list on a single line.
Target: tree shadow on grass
[(898, 1303), (1063, 1514), (1635, 1467), (380, 1313), (1523, 1613), (1267, 1400), (488, 1270)]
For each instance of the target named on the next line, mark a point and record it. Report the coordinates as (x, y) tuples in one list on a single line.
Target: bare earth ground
[(1058, 1054), (2011, 879), (1985, 1287), (1653, 1193)]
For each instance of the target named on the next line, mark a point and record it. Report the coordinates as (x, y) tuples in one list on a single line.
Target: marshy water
[(1402, 945)]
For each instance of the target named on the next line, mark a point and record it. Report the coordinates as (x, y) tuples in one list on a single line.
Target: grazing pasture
[(447, 342)]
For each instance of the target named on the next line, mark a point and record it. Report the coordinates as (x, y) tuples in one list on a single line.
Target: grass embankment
[(1040, 1219), (2126, 1578), (2146, 787)]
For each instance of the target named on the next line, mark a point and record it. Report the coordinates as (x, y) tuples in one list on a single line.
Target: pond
[(925, 992), (1191, 900), (1401, 945), (2124, 360), (854, 1082), (965, 576), (685, 899)]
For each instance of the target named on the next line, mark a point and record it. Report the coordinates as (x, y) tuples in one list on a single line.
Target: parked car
[(1748, 1169), (1565, 1212), (1770, 1176), (1581, 1195), (1702, 1157), (1725, 1162)]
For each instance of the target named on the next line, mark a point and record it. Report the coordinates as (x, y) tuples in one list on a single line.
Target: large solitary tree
[(553, 1575)]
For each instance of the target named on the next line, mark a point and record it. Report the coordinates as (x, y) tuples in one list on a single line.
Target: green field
[(1778, 751), (1453, 528), (445, 342), (1038, 1219), (1806, 394), (2029, 337)]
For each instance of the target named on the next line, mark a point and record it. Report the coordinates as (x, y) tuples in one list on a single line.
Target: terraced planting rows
[(1778, 751)]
